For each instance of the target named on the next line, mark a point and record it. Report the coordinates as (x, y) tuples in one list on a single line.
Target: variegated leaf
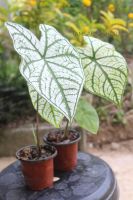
[(105, 69), (53, 66), (46, 111)]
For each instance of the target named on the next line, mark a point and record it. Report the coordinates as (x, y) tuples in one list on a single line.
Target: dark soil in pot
[(67, 148), (38, 171), (30, 153), (58, 137)]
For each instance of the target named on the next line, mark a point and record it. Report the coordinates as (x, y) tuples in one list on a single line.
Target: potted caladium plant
[(56, 73), (106, 76), (54, 91)]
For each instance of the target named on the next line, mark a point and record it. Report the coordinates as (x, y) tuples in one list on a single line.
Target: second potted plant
[(105, 75)]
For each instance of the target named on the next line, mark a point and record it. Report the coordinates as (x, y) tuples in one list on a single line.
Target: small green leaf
[(46, 111), (86, 116), (105, 70)]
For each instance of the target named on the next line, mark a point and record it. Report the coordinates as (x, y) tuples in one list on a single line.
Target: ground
[(118, 156)]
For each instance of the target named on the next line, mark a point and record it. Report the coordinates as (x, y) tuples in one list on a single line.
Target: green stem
[(37, 130), (66, 131)]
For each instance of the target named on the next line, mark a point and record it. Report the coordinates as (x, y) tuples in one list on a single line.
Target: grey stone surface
[(92, 179)]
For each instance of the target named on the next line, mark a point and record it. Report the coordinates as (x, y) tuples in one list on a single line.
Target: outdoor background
[(108, 20)]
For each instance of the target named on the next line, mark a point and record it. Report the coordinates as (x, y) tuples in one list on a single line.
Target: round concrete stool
[(92, 179)]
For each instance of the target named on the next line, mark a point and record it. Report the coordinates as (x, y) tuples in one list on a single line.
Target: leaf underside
[(52, 66), (105, 70), (86, 116), (46, 111)]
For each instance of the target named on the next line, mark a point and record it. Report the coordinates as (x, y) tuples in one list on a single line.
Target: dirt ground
[(118, 155)]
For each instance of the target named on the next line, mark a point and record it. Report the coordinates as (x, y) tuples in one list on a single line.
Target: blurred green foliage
[(72, 18), (103, 19)]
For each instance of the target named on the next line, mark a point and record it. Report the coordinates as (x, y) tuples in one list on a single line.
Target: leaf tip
[(41, 26), (7, 24)]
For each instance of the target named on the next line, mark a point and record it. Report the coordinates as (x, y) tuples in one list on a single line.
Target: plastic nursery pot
[(38, 174), (66, 159)]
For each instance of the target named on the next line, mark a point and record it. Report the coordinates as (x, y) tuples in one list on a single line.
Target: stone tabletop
[(92, 179)]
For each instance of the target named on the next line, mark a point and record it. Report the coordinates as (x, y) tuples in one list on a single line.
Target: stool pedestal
[(92, 179)]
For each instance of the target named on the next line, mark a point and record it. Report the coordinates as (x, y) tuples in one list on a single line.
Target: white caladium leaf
[(105, 69), (46, 111), (53, 66)]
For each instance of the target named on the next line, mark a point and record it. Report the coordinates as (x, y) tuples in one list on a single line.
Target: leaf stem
[(66, 131), (34, 134), (37, 129)]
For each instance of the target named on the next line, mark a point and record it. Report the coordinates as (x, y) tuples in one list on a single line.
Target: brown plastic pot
[(66, 159), (38, 174)]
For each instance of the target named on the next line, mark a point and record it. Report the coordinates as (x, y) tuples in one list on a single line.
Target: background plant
[(72, 18)]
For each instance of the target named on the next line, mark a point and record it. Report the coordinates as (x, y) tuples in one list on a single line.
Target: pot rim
[(41, 160), (61, 143)]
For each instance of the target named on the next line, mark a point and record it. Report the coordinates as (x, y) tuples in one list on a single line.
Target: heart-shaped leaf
[(86, 116), (53, 66), (105, 69), (46, 111)]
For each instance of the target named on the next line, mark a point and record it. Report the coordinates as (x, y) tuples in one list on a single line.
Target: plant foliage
[(45, 109), (113, 25), (54, 71), (105, 70), (51, 65), (86, 116)]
